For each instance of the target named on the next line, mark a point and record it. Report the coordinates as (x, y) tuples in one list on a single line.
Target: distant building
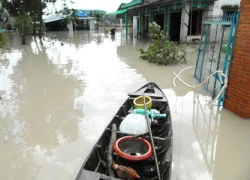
[(82, 21), (6, 21)]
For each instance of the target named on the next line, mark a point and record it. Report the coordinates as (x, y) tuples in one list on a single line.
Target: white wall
[(92, 24), (135, 26), (5, 16), (208, 12), (217, 5), (70, 26)]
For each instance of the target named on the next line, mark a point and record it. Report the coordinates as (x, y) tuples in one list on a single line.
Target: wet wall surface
[(58, 94)]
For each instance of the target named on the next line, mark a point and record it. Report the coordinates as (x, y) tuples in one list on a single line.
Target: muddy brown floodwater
[(59, 94)]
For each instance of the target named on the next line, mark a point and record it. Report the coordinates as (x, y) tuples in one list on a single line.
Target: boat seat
[(152, 95), (89, 175)]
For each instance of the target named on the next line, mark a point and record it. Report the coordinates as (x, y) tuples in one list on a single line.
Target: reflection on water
[(206, 121), (59, 93), (214, 145)]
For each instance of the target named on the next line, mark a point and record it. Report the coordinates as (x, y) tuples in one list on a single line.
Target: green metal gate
[(215, 51)]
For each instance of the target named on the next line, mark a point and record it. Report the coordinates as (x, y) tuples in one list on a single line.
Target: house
[(181, 20), (222, 7), (6, 21), (81, 21)]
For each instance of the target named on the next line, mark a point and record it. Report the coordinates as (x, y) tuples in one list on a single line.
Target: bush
[(24, 26), (106, 31), (162, 51), (3, 41)]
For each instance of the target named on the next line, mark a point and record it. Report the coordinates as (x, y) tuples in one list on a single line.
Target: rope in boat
[(219, 72)]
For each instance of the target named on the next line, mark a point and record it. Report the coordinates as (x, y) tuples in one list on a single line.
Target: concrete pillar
[(70, 26), (126, 22), (184, 22), (91, 25), (121, 25), (207, 12), (134, 26)]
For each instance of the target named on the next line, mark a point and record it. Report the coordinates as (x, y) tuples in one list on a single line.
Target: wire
[(191, 86)]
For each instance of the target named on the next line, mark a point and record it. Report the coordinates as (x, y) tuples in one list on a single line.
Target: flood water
[(60, 93)]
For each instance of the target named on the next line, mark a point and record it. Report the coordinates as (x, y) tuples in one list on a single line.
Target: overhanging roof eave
[(131, 4), (120, 11)]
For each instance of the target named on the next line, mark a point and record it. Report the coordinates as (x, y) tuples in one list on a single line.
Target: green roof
[(131, 4), (124, 6), (121, 11)]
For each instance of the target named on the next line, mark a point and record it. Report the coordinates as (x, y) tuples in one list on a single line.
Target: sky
[(106, 5)]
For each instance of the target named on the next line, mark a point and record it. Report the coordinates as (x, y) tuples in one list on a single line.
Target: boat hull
[(95, 166)]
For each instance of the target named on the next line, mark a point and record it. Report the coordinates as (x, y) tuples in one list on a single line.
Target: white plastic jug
[(134, 124)]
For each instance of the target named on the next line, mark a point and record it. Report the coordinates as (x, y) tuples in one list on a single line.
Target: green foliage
[(24, 26), (34, 9), (3, 41), (100, 15), (106, 31), (25, 7), (162, 51), (68, 12)]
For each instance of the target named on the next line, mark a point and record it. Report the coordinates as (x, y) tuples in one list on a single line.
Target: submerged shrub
[(106, 31), (3, 41), (162, 51)]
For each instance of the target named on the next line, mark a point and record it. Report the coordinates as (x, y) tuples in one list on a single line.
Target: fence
[(216, 50)]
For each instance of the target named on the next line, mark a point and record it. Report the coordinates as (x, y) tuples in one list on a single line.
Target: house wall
[(91, 24), (208, 12), (7, 21), (217, 5), (70, 26), (170, 17), (185, 15), (238, 91)]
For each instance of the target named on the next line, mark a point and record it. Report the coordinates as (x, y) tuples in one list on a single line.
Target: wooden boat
[(96, 167)]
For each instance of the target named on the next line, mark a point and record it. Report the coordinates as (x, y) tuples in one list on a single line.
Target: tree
[(2, 40), (162, 51), (27, 8), (99, 16), (68, 12), (24, 26)]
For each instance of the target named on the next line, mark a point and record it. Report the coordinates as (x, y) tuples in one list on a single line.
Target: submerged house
[(56, 23), (82, 21), (6, 21), (182, 20)]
